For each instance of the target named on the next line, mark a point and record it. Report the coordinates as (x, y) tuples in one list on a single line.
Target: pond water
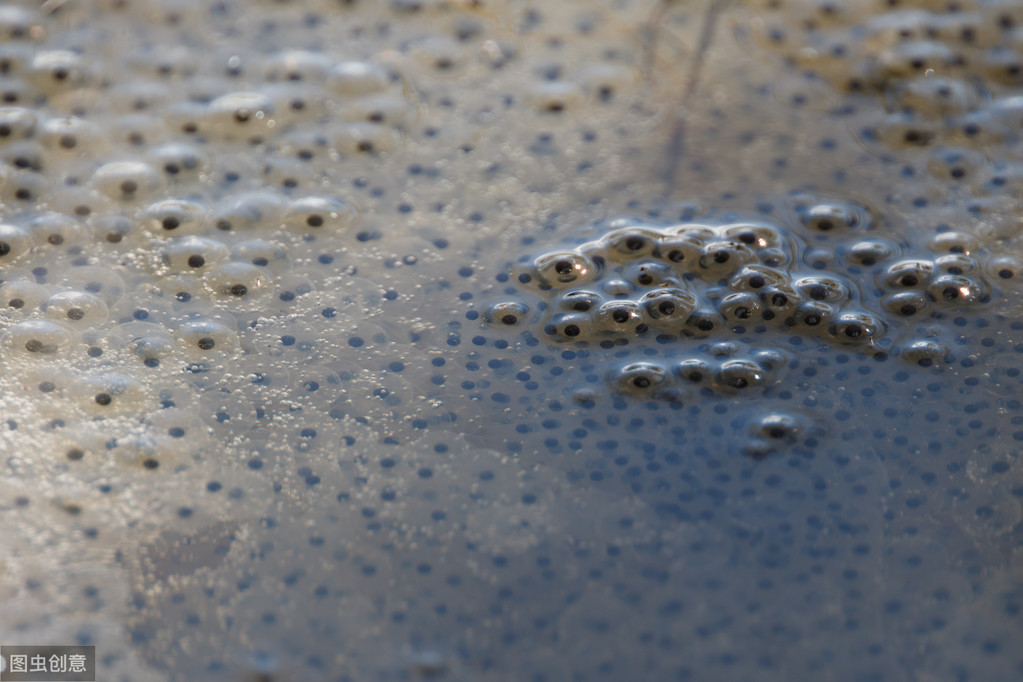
[(438, 339)]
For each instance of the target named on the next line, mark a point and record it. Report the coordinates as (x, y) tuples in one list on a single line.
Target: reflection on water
[(352, 340)]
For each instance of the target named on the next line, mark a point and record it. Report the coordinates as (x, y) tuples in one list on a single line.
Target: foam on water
[(352, 340)]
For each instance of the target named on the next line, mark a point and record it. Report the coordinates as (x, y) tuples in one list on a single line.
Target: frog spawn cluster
[(717, 369), (947, 74), (181, 322), (88, 313), (418, 553), (825, 277)]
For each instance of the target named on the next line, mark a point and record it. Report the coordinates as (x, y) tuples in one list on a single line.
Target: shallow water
[(336, 343)]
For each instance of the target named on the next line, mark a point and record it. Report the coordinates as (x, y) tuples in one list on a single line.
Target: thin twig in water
[(676, 145)]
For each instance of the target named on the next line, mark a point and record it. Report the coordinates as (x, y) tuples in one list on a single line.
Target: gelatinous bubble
[(818, 288), (772, 433), (139, 130), (811, 315), (112, 229), (506, 312), (297, 65), (682, 250), (723, 349), (128, 180), (631, 243), (566, 327), (923, 352), (261, 253), (901, 130), (834, 217), (181, 425), (205, 337), (388, 109), (24, 189), (21, 297), (604, 82), (953, 242), (906, 274), (37, 338), (694, 371), (100, 281), (650, 274), (580, 300), (769, 358), (17, 123), (81, 202), (109, 395), (915, 58), (27, 155), (57, 230), (239, 116), (856, 328), (779, 299), (554, 97), (755, 278), (907, 303), (955, 290), (618, 288), (1003, 269), (955, 264), (319, 214), (237, 281), (669, 306), (357, 79), (933, 97), (249, 211), (153, 348), (739, 374), (869, 252), (741, 307), (193, 254), (777, 427), (722, 258), (620, 317), (755, 235), (819, 258), (640, 377), (70, 135), (439, 53), (703, 322), (179, 161), (78, 308), (289, 173), (365, 138), (14, 243), (173, 217), (55, 71), (562, 269), (955, 164)]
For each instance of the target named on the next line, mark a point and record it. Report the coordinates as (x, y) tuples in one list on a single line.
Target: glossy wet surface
[(350, 340)]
